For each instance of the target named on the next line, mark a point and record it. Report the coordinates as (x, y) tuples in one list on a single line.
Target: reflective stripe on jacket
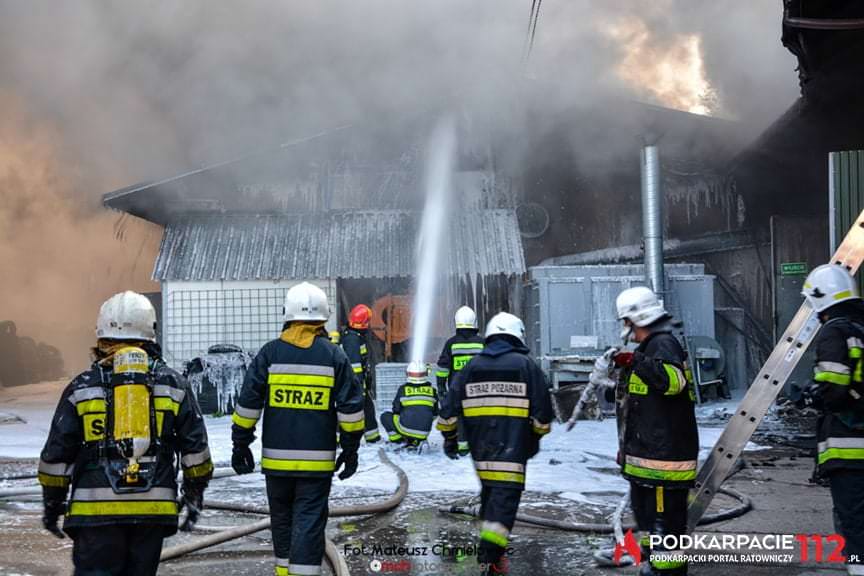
[(304, 396), (656, 419), (456, 353), (838, 368), (70, 455), (503, 401), (354, 344), (415, 408)]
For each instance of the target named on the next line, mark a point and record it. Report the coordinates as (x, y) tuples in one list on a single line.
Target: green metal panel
[(847, 194)]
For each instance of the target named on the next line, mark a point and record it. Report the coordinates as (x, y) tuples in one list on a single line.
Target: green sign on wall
[(793, 268)]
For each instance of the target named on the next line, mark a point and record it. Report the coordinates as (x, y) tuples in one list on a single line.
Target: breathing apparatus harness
[(130, 449)]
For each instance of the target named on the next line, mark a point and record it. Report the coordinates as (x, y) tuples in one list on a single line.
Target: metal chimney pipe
[(652, 220)]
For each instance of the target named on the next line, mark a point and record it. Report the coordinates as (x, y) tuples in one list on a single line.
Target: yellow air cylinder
[(131, 404)]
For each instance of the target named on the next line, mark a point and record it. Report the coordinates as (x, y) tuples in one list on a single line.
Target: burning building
[(342, 208), (335, 210)]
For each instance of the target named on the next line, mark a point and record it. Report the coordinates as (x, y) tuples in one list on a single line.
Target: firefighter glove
[(810, 398), (53, 510), (349, 459), (451, 446), (242, 436), (192, 500), (349, 442), (242, 460), (602, 364)]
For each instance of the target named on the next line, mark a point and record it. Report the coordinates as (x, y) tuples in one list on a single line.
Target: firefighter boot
[(502, 566)]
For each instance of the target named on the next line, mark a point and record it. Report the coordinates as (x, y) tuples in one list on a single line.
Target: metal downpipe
[(652, 219)]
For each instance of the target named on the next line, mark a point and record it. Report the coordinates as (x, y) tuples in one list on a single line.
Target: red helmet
[(360, 317)]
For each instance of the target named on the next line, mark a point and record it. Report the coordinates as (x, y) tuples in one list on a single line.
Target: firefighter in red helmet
[(356, 346)]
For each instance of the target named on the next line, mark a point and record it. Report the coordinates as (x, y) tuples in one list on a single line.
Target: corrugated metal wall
[(357, 244)]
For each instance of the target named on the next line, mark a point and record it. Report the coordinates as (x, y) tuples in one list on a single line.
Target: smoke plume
[(60, 255), (96, 96)]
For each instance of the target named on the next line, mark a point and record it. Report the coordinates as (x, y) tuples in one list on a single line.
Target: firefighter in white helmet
[(503, 401), (414, 408), (457, 352), (303, 386), (658, 438), (838, 390), (114, 438)]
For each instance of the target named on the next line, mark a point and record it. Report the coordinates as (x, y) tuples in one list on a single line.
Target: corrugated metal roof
[(357, 244)]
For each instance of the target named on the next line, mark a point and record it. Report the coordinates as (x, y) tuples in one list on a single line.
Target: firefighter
[(114, 438), (304, 387), (657, 430), (455, 355), (503, 401), (355, 344), (414, 408), (839, 388)]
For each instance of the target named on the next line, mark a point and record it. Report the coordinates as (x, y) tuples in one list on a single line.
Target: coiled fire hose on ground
[(241, 531)]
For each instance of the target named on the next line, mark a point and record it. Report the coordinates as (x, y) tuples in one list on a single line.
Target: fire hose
[(23, 491), (241, 531), (338, 563), (37, 490), (340, 567), (18, 477), (744, 506), (221, 472)]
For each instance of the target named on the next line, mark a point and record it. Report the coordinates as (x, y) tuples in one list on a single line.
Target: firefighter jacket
[(355, 347), (503, 402), (838, 372), (305, 395), (457, 352), (659, 441), (75, 454), (414, 410)]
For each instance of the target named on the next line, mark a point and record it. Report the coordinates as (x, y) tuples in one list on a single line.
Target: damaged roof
[(352, 244)]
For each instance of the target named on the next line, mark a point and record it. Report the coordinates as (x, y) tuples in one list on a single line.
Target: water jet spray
[(439, 171)]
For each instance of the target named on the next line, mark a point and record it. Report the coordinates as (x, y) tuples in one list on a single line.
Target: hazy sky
[(98, 95)]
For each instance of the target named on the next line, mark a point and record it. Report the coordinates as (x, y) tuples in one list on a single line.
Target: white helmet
[(127, 316), (828, 285), (306, 302), (640, 305), (418, 372), (506, 323), (466, 318)]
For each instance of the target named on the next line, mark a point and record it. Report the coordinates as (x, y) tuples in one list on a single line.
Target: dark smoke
[(98, 95)]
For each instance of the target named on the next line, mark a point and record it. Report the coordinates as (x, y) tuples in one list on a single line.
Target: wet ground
[(431, 542), (436, 543), (777, 479)]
